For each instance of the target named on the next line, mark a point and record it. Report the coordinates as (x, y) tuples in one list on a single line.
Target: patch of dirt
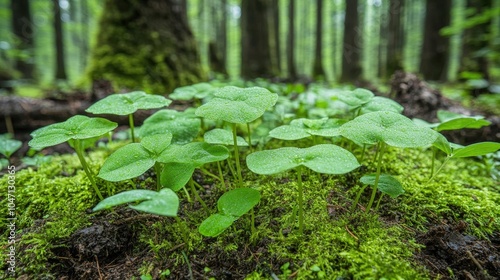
[(449, 253)]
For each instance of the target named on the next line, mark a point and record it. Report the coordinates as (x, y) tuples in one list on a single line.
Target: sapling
[(362, 101), (74, 130), (237, 106), (231, 206), (124, 104), (184, 126), (9, 146), (302, 128), (386, 128), (324, 158)]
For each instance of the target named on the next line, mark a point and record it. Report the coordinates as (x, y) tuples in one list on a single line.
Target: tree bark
[(146, 45), (396, 37), (23, 30), (435, 48), (256, 58), (318, 70), (217, 45), (274, 18), (351, 51), (290, 46), (59, 42)]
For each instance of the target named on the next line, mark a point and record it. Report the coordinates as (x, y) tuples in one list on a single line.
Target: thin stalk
[(439, 169), (363, 153), (197, 196), (219, 168), (249, 137), (433, 160), (8, 125), (301, 200), (353, 207), (188, 197), (377, 177), (237, 157), (79, 153), (157, 168), (231, 167), (378, 202), (189, 266), (185, 234), (131, 124), (210, 174)]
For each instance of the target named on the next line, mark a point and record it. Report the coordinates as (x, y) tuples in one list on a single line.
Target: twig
[(98, 268), (352, 234)]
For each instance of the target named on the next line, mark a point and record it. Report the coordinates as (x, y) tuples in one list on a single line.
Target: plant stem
[(157, 168), (219, 168), (301, 200), (79, 153), (131, 124), (185, 234), (210, 174), (355, 204), (433, 160), (439, 169), (363, 153), (231, 167), (378, 202), (237, 157), (188, 197), (377, 177), (197, 196), (249, 137)]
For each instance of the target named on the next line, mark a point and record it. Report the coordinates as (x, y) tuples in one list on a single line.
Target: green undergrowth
[(52, 203)]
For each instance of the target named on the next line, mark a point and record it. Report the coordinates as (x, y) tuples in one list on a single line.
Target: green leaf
[(461, 123), (379, 103), (199, 91), (477, 149), (301, 128), (9, 146), (237, 105), (442, 144), (216, 224), (356, 98), (386, 184), (127, 103), (223, 137), (196, 153), (76, 127), (288, 132), (165, 202), (324, 158), (127, 162), (175, 175), (156, 143), (237, 202), (389, 127), (183, 126)]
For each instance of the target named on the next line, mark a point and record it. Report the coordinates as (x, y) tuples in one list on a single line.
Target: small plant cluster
[(343, 125)]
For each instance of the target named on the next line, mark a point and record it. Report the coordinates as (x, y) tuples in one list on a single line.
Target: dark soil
[(448, 248)]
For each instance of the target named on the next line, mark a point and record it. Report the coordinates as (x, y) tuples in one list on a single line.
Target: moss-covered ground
[(53, 202)]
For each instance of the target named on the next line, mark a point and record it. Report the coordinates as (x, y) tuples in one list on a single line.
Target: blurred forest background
[(158, 45)]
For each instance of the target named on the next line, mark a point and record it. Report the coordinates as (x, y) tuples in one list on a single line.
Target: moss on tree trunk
[(146, 45)]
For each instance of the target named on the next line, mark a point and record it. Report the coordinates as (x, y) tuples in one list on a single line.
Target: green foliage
[(195, 153), (301, 128), (165, 202), (386, 184), (8, 146), (127, 103), (453, 121), (223, 137), (198, 91), (184, 126), (231, 205)]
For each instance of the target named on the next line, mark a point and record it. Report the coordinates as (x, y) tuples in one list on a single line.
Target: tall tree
[(318, 70), (351, 51), (274, 17), (290, 44), (395, 37), (217, 47), (477, 38), (256, 58), (59, 42), (85, 26), (435, 48), (146, 45), (23, 30)]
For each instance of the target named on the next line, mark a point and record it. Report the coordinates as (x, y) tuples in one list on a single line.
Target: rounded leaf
[(127, 103), (379, 103), (127, 162), (477, 149), (237, 105), (124, 197), (356, 98), (216, 224), (386, 184), (9, 146), (389, 127), (183, 126), (195, 153), (237, 202), (156, 143), (175, 175), (223, 137), (165, 203)]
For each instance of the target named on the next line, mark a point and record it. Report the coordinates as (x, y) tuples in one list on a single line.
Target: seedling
[(9, 146), (181, 162), (74, 130), (362, 101), (238, 106), (386, 185), (386, 128), (196, 91), (324, 158), (302, 128), (126, 104), (231, 205), (134, 159), (183, 125)]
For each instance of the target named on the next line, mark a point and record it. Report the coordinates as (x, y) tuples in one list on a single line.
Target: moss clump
[(145, 45)]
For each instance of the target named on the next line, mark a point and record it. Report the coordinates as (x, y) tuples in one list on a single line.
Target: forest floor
[(447, 228)]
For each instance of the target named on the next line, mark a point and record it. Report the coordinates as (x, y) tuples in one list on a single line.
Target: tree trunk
[(23, 30), (274, 18), (435, 48), (476, 39), (318, 70), (59, 42), (217, 45), (351, 51), (256, 58), (395, 37), (84, 21), (146, 45), (290, 46)]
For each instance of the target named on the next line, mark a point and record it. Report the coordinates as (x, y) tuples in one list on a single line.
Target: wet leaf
[(379, 103), (176, 175), (128, 103), (386, 184), (196, 153), (127, 162), (223, 137), (9, 146), (301, 128), (183, 126), (477, 149), (356, 98), (237, 202), (216, 224)]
